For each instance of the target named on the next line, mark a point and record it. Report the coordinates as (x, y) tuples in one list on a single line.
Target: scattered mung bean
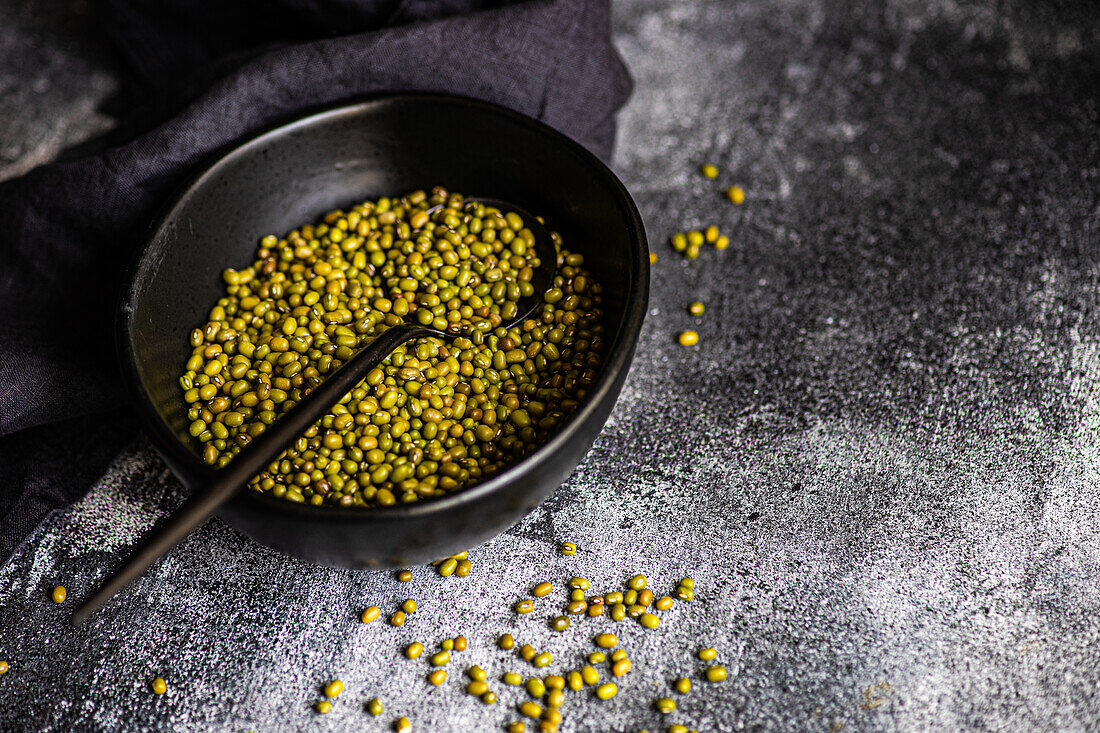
[(535, 687), (688, 338), (589, 675), (716, 673), (606, 640)]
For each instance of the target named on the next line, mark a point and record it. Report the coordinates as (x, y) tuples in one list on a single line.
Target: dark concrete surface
[(54, 73), (881, 464)]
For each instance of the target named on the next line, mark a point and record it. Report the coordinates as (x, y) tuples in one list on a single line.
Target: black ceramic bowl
[(335, 158)]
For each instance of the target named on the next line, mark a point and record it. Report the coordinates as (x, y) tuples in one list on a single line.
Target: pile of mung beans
[(435, 416), (542, 690)]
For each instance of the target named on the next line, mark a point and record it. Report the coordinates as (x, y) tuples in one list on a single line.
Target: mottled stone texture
[(881, 464), (53, 75)]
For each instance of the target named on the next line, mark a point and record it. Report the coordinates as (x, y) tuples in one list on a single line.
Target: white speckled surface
[(881, 465)]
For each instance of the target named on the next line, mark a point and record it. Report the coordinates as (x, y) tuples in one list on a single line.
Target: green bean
[(606, 691), (606, 640), (535, 687)]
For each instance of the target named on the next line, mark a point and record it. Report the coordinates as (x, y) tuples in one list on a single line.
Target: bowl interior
[(386, 146)]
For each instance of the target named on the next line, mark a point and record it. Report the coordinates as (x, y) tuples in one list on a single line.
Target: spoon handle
[(251, 460)]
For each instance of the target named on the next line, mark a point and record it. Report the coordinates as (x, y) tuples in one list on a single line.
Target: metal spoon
[(313, 406)]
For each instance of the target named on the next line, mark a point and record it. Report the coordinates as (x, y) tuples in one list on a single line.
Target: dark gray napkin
[(208, 74)]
